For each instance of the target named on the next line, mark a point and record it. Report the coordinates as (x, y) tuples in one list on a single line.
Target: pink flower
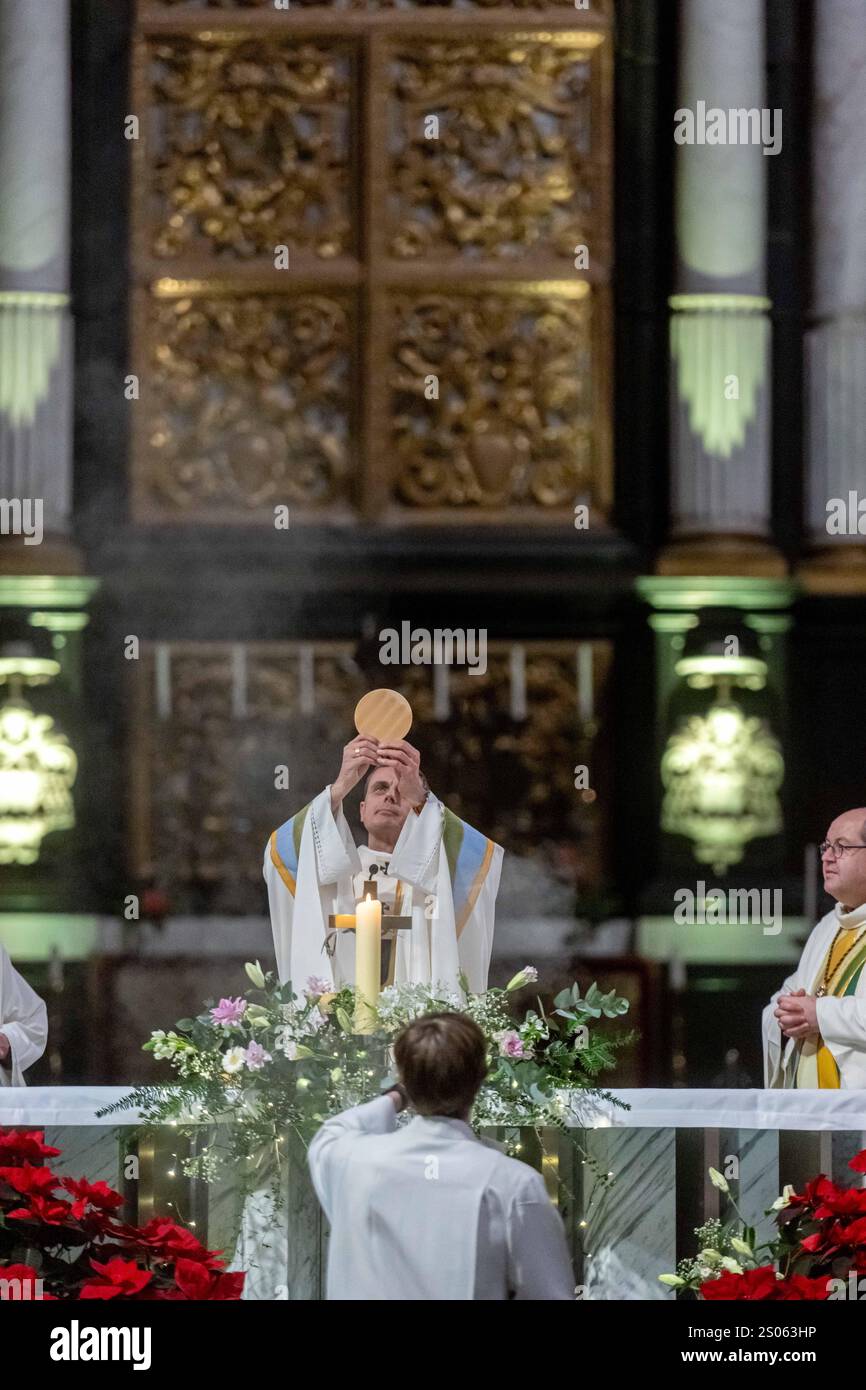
[(255, 1056), (228, 1011), (511, 1045), (316, 987)]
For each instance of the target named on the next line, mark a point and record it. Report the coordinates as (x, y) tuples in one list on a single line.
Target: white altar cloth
[(669, 1108), (714, 1108), (63, 1105)]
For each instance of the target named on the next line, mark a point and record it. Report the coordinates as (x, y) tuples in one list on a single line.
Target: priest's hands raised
[(359, 754), (797, 1015), (406, 762)]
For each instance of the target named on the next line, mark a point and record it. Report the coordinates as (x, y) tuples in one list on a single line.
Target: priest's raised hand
[(359, 755), (406, 762)]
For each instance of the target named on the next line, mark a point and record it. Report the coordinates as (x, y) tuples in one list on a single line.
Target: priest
[(427, 864), (815, 1026), (23, 1024)]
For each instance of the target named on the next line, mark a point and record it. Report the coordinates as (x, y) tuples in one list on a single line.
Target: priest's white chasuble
[(441, 873), (832, 968), (24, 1021)]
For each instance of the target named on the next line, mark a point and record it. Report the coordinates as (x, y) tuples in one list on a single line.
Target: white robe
[(429, 1211), (842, 1022), (24, 1021), (450, 897)]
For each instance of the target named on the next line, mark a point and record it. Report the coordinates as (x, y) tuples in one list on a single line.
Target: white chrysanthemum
[(233, 1060)]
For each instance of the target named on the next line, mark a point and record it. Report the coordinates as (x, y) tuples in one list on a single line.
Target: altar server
[(427, 864), (23, 1024), (429, 1211), (815, 1026)]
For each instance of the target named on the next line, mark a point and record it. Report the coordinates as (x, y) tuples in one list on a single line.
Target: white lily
[(719, 1180), (256, 974)]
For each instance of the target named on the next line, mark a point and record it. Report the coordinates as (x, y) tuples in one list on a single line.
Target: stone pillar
[(35, 323), (836, 342), (719, 327)]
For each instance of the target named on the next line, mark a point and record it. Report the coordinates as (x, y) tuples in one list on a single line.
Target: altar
[(630, 1180)]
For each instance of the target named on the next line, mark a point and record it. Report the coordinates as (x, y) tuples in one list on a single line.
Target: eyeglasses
[(838, 848)]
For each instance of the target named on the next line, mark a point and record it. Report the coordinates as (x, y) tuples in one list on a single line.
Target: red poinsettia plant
[(62, 1238), (819, 1252)]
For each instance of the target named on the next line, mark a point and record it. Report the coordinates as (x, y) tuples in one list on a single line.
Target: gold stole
[(817, 1067)]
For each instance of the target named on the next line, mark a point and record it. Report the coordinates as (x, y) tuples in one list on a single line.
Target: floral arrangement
[(819, 1252), (269, 1061), (61, 1239)]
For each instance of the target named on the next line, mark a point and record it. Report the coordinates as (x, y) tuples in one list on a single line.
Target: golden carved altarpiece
[(355, 231)]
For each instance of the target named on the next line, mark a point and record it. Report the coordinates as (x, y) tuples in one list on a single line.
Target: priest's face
[(845, 873), (383, 809)]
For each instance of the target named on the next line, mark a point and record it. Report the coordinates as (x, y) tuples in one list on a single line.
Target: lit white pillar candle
[(368, 963)]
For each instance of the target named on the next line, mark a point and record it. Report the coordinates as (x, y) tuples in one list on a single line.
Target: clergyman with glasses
[(815, 1027)]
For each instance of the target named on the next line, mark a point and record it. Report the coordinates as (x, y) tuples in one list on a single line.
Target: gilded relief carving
[(250, 146), (512, 420), (506, 169), (251, 401), (405, 258)]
